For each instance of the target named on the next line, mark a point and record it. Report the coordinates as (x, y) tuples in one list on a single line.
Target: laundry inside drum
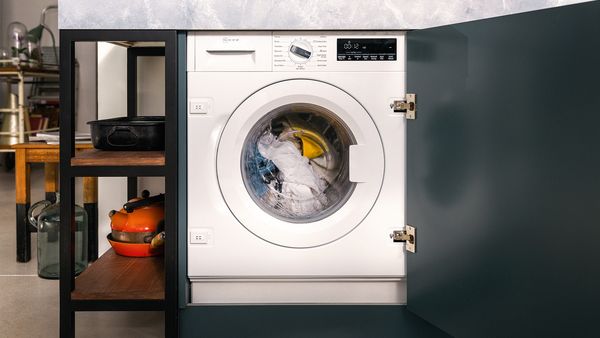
[(295, 163)]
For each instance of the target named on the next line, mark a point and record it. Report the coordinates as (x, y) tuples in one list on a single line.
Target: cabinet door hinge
[(408, 236), (407, 106)]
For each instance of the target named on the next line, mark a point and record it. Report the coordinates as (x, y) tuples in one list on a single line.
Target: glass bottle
[(5, 58), (48, 243), (17, 42), (33, 53)]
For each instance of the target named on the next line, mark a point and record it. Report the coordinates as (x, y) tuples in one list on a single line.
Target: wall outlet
[(203, 236), (200, 106)]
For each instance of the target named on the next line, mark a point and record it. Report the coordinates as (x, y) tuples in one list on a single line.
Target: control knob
[(300, 51)]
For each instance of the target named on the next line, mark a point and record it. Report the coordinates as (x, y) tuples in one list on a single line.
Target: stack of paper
[(53, 138)]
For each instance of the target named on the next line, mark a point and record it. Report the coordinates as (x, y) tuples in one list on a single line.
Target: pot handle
[(121, 129), (33, 219), (130, 206)]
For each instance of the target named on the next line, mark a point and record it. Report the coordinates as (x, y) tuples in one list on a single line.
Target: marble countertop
[(284, 14)]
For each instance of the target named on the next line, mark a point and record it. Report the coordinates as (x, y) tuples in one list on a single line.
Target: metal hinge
[(407, 106), (407, 236)]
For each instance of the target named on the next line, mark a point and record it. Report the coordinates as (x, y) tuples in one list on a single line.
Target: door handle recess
[(360, 163)]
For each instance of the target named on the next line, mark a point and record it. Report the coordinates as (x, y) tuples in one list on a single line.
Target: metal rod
[(42, 130), (15, 133), (21, 108), (30, 74)]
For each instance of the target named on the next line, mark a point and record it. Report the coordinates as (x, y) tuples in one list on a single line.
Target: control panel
[(296, 51), (331, 51)]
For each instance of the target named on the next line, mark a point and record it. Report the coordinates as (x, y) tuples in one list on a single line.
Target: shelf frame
[(68, 173), (118, 171)]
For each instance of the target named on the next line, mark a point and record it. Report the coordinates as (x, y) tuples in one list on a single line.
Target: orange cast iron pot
[(137, 227)]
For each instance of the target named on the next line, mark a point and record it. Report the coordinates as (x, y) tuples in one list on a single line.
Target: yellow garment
[(310, 148), (313, 143)]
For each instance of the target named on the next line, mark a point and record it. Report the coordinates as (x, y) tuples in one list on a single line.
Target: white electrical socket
[(201, 236), (200, 106)]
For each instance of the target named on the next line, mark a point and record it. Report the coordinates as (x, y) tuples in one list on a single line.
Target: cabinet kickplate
[(407, 106), (407, 236)]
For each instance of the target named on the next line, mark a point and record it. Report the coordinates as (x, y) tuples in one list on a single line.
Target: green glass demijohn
[(47, 224)]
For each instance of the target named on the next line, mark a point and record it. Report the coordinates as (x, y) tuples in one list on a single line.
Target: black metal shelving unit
[(91, 291)]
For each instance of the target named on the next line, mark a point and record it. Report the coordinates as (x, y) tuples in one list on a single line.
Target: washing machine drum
[(300, 163)]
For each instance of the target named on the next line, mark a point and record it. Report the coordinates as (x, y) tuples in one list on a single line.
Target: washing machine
[(296, 167)]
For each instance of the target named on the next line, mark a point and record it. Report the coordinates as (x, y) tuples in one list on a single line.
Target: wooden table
[(27, 153)]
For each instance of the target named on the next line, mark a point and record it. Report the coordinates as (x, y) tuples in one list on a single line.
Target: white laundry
[(296, 201), (301, 186)]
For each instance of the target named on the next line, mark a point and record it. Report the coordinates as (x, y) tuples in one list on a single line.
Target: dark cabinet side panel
[(503, 175), (304, 321)]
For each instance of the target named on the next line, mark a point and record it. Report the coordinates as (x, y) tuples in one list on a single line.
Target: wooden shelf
[(97, 157), (116, 278)]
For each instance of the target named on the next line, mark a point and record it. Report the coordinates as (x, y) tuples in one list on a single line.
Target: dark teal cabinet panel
[(503, 175), (309, 321)]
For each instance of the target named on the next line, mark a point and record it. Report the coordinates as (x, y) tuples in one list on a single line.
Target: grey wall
[(289, 14), (28, 12)]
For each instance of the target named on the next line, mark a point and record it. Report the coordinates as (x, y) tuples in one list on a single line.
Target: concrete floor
[(29, 304)]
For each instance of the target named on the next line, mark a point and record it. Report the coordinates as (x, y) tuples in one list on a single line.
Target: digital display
[(366, 49)]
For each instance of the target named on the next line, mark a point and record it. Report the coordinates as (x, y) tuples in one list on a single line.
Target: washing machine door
[(300, 163)]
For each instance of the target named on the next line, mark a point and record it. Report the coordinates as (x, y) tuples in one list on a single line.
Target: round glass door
[(295, 163), (292, 166)]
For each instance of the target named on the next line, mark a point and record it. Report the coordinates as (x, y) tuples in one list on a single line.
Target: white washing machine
[(296, 167)]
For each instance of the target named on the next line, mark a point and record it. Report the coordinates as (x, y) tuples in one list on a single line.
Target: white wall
[(112, 102), (151, 101)]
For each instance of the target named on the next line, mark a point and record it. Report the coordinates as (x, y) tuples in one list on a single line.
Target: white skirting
[(299, 291)]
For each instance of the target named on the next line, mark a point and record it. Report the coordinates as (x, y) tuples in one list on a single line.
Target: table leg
[(90, 204), (22, 187), (21, 107), (51, 181)]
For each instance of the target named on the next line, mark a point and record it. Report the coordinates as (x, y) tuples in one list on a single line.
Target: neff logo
[(228, 39)]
